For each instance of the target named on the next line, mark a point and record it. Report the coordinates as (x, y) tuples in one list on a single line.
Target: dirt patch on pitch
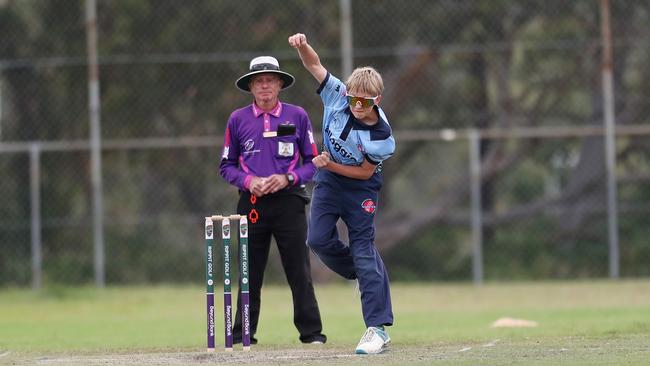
[(616, 350), (284, 357)]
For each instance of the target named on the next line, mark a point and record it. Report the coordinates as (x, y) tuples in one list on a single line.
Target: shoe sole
[(362, 352), (383, 349)]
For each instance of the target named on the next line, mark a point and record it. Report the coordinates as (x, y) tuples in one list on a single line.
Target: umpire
[(267, 155)]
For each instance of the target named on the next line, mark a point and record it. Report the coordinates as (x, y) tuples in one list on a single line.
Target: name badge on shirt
[(285, 148)]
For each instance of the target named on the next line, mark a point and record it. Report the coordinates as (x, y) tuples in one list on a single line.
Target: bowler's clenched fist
[(298, 40)]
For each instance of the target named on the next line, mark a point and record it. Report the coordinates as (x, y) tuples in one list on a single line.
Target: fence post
[(94, 110), (474, 138), (1, 101), (610, 142), (35, 199)]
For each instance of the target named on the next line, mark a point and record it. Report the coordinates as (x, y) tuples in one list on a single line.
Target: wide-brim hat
[(264, 64)]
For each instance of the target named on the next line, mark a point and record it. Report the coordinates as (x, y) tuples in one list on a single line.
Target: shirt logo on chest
[(249, 146), (338, 147)]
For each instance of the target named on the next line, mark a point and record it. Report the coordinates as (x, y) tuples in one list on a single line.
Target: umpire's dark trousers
[(283, 216)]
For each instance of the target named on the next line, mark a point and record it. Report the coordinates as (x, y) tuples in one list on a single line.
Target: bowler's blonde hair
[(365, 80)]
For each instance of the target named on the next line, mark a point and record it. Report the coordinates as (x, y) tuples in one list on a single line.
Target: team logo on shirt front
[(285, 148), (369, 206)]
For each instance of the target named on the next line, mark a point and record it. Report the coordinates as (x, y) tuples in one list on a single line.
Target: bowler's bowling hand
[(298, 40)]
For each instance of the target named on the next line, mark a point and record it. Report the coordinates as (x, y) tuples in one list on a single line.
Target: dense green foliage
[(167, 69)]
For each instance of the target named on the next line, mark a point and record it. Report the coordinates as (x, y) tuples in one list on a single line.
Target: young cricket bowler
[(356, 140)]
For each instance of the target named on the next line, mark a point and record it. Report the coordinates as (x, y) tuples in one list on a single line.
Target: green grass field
[(580, 323)]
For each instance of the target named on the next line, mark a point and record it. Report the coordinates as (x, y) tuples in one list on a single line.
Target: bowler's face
[(361, 112), (265, 87)]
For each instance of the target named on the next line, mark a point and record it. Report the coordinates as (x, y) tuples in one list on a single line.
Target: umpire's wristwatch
[(290, 178)]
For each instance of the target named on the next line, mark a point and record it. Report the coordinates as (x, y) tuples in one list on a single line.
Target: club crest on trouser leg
[(369, 206)]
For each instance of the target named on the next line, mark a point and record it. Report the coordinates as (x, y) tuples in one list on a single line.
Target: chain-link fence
[(527, 75)]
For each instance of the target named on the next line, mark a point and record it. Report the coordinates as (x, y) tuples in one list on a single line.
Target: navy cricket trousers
[(354, 201)]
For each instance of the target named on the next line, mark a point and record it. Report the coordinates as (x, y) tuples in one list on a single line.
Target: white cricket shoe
[(374, 340)]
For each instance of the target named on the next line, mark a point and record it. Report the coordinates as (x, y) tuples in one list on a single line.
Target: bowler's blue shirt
[(347, 139)]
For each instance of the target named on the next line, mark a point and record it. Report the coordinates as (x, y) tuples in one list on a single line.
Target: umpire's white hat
[(264, 64)]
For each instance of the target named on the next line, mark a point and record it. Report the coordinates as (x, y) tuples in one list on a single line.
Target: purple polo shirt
[(251, 147)]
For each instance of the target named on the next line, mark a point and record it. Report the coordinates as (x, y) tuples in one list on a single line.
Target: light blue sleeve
[(332, 92)]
